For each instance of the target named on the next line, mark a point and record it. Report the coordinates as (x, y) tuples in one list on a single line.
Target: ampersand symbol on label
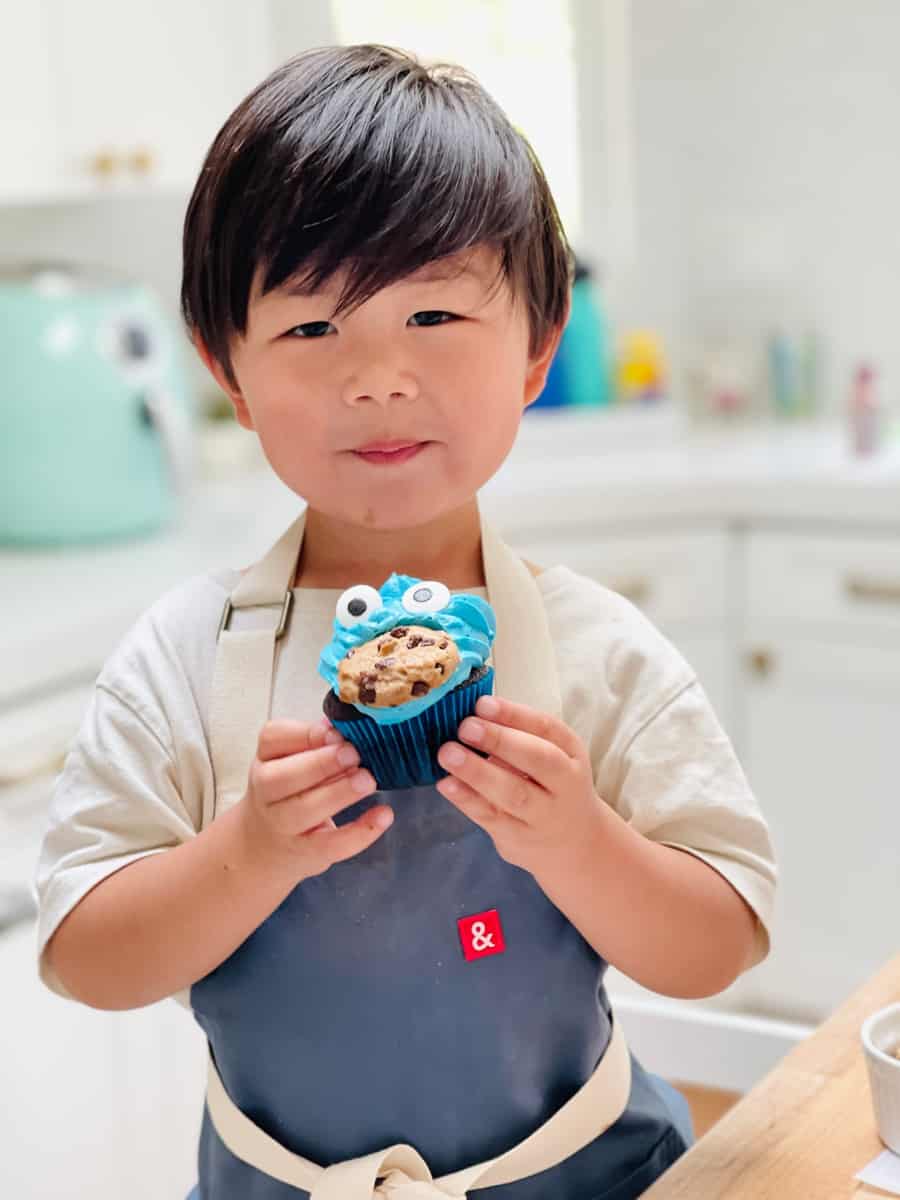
[(481, 934), (479, 940)]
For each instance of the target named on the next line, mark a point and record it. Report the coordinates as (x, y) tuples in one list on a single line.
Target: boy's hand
[(535, 794), (301, 776)]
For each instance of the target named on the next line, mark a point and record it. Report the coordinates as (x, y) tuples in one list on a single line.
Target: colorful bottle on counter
[(783, 375), (580, 372), (810, 374), (865, 412), (641, 374), (587, 344), (794, 370)]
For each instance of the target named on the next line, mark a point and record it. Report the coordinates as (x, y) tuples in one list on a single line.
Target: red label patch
[(481, 935)]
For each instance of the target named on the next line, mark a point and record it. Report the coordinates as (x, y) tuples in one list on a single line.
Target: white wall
[(767, 177)]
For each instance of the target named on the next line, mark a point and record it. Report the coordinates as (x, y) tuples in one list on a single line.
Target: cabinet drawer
[(677, 579), (851, 584)]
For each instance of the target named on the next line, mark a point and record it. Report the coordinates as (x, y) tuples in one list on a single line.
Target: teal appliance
[(95, 407), (581, 371)]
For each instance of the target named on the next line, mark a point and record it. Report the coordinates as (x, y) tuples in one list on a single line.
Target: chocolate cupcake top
[(379, 658)]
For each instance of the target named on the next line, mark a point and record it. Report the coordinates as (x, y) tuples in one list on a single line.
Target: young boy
[(391, 217)]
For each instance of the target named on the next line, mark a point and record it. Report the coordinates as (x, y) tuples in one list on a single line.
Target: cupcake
[(406, 664)]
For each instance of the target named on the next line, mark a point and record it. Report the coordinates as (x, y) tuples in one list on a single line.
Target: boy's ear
[(538, 367), (241, 411)]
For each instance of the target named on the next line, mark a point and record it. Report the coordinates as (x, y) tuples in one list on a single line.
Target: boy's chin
[(393, 516)]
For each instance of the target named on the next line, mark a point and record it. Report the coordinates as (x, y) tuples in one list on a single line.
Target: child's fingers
[(532, 756), (277, 779), (299, 814), (323, 826), (529, 720), (351, 839), (282, 737)]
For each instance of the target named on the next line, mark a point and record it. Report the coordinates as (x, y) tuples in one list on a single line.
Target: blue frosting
[(468, 620)]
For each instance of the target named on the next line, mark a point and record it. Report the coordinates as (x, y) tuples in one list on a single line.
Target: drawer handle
[(761, 663), (635, 590), (870, 589)]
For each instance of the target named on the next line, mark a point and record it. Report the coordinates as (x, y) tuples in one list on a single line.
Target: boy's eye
[(433, 313), (311, 329), (316, 329)]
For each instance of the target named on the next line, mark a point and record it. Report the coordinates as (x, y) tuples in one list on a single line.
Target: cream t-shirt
[(138, 771)]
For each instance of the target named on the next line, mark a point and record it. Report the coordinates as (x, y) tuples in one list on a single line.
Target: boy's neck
[(336, 554)]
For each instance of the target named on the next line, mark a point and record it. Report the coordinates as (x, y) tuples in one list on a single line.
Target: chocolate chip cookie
[(395, 667)]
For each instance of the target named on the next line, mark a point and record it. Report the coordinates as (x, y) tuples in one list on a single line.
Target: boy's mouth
[(395, 451)]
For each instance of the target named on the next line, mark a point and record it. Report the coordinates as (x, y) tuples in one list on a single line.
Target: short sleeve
[(137, 777), (681, 784), (116, 800)]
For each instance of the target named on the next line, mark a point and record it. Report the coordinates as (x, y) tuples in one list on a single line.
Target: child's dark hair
[(360, 157)]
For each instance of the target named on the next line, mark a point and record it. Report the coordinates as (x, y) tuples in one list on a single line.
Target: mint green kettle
[(97, 423)]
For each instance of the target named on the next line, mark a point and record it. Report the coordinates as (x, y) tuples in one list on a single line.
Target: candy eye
[(425, 597), (357, 604)]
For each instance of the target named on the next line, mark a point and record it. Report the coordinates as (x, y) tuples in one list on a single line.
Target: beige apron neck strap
[(245, 663), (524, 657)]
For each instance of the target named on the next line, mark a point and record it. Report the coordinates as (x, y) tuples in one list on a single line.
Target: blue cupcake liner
[(405, 755)]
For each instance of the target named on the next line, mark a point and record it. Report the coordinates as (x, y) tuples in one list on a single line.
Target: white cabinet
[(821, 731), (101, 95), (28, 128), (820, 693), (158, 77), (680, 580)]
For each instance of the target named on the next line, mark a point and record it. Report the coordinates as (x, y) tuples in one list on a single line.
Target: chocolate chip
[(442, 646), (427, 641), (367, 677), (413, 641), (366, 695), (384, 664), (350, 653), (440, 667), (419, 688), (399, 632)]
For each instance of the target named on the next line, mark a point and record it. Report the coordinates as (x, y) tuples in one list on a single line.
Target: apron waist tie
[(400, 1173)]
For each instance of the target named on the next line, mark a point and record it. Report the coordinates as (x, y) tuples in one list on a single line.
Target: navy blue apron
[(351, 1020)]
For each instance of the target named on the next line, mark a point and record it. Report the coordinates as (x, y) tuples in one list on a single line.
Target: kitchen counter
[(62, 610), (805, 1129), (623, 473)]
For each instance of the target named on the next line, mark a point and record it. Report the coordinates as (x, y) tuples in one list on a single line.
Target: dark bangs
[(362, 159)]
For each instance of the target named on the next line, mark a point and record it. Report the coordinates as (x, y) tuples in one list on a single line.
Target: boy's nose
[(381, 398), (380, 379)]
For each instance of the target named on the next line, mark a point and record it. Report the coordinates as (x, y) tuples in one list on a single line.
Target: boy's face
[(435, 365)]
